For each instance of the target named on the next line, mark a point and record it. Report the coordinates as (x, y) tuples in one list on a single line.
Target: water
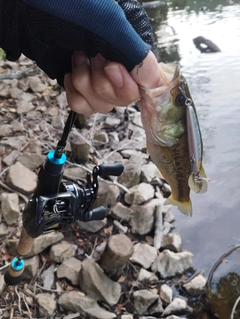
[(215, 86)]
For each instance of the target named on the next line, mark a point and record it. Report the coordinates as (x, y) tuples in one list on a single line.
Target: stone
[(121, 212), (69, 269), (74, 173), (2, 283), (107, 195), (144, 255), (111, 122), (15, 142), (178, 306), (169, 264), (139, 194), (145, 302), (94, 283), (172, 241), (5, 130), (47, 277), (21, 178), (131, 175), (31, 267), (129, 316), (93, 226), (10, 207), (3, 229), (147, 275), (148, 172), (62, 251), (24, 107), (36, 84), (47, 304), (75, 301), (166, 294), (100, 138), (31, 160), (196, 286), (11, 158), (142, 218), (39, 244)]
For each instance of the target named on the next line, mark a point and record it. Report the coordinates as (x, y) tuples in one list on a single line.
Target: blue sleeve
[(105, 18)]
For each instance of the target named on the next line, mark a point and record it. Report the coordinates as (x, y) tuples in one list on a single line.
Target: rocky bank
[(70, 275)]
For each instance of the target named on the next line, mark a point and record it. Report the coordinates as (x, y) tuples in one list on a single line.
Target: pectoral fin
[(198, 184)]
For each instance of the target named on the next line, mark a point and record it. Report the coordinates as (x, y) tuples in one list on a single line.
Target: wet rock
[(47, 277), (21, 178), (147, 275), (146, 302), (31, 267), (139, 194), (40, 243), (47, 304), (70, 269), (169, 264), (144, 255), (130, 176), (75, 301), (196, 286), (178, 306), (10, 208), (96, 284), (172, 241), (92, 226), (62, 251), (166, 294)]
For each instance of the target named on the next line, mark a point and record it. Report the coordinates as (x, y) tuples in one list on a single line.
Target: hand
[(97, 85)]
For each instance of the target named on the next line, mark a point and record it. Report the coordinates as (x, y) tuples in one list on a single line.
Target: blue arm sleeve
[(105, 18)]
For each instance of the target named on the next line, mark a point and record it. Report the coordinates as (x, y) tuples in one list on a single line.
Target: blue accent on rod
[(17, 264), (57, 161)]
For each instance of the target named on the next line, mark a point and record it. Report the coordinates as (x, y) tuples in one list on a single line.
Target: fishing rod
[(55, 204)]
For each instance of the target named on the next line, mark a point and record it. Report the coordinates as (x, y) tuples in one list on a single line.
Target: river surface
[(214, 81)]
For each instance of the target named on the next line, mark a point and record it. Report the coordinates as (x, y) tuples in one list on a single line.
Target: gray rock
[(47, 277), (2, 283), (62, 251), (169, 264), (96, 284), (40, 243), (70, 269), (11, 158), (166, 294), (107, 195), (130, 176), (168, 216), (10, 208), (62, 100), (24, 107), (174, 317), (144, 255), (167, 227), (36, 84), (75, 173), (5, 130), (147, 275), (31, 267), (92, 226), (148, 172), (111, 122), (172, 241), (129, 316), (146, 302), (142, 219), (21, 178), (31, 160), (177, 307), (15, 142), (101, 138), (139, 194), (75, 301), (3, 229), (196, 286), (121, 212), (47, 304)]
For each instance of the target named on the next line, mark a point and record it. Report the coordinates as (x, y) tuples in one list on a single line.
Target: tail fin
[(184, 207), (198, 184)]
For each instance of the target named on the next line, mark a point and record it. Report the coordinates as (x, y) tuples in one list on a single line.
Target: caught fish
[(173, 136)]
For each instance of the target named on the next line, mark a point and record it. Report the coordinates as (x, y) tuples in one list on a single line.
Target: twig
[(234, 308), (26, 305), (19, 300), (13, 191), (5, 266), (19, 74), (49, 290)]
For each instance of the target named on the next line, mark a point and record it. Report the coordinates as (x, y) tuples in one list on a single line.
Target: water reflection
[(214, 83)]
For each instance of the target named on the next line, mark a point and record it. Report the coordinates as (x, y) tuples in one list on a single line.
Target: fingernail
[(78, 58), (114, 74)]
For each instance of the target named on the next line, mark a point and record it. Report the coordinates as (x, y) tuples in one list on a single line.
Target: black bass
[(173, 136)]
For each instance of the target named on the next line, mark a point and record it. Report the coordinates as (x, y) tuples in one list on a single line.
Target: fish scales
[(173, 136)]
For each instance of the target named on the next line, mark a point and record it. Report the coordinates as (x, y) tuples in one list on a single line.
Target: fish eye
[(180, 100)]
